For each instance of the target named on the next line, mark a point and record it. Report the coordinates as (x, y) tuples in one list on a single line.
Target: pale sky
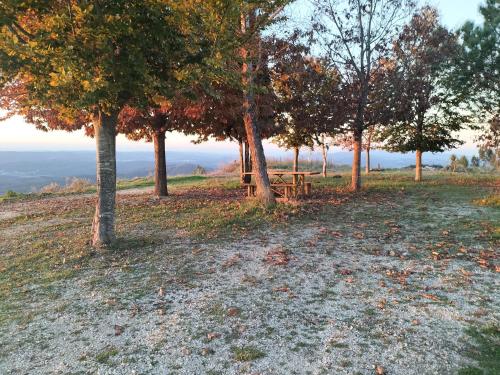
[(15, 134)]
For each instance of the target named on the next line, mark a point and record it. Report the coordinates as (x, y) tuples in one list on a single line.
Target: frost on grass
[(359, 287)]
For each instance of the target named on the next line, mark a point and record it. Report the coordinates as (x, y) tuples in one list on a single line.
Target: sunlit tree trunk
[(160, 164), (264, 193), (418, 166), (356, 162), (103, 226), (358, 136), (324, 153)]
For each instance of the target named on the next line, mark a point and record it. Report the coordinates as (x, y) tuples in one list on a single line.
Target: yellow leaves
[(86, 85), (54, 79)]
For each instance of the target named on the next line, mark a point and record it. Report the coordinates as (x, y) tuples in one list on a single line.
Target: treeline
[(362, 74)]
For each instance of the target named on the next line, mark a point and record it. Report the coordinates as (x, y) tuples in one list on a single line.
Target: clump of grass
[(247, 353), (141, 182), (105, 355), (485, 350), (11, 195), (489, 201)]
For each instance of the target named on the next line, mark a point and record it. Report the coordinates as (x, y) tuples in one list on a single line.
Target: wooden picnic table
[(283, 187)]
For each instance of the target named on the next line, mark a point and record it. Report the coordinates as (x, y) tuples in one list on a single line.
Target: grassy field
[(402, 276)]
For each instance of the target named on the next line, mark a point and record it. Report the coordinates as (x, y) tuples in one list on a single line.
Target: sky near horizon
[(15, 134)]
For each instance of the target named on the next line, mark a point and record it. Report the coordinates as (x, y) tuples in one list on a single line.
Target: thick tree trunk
[(264, 193), (356, 162), (418, 166), (103, 226), (160, 164), (367, 167)]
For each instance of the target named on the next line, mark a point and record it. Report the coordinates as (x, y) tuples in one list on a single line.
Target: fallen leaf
[(381, 304), (213, 335), (430, 296), (118, 330), (379, 370), (233, 311)]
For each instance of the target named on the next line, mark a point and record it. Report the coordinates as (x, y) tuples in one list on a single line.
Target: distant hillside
[(28, 171)]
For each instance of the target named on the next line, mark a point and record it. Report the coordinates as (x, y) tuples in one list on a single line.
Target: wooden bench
[(251, 189), (288, 189)]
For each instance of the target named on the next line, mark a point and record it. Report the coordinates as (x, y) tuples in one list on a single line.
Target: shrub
[(77, 185), (51, 188)]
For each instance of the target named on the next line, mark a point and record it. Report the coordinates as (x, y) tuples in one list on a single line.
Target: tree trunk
[(367, 167), (103, 226), (358, 136), (242, 162), (324, 152), (356, 162), (160, 164), (418, 166), (248, 163), (295, 167), (264, 193)]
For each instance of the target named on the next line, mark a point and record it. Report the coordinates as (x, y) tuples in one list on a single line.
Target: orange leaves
[(430, 296), (232, 261), (358, 235), (399, 276)]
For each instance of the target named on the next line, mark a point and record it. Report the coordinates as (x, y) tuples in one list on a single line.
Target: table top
[(283, 173)]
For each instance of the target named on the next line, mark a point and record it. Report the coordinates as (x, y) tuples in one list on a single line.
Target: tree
[(90, 59), (476, 73), (292, 75), (310, 104), (425, 113), (355, 35), (475, 161), (464, 162), (151, 124), (453, 162)]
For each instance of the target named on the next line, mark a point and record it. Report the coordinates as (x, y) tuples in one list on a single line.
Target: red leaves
[(345, 271), (277, 257)]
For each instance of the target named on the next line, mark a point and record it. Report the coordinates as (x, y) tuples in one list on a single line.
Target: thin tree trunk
[(418, 166), (103, 226), (367, 167), (356, 162), (324, 152), (248, 163), (160, 164), (242, 162), (358, 136), (295, 167), (264, 193), (371, 130)]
